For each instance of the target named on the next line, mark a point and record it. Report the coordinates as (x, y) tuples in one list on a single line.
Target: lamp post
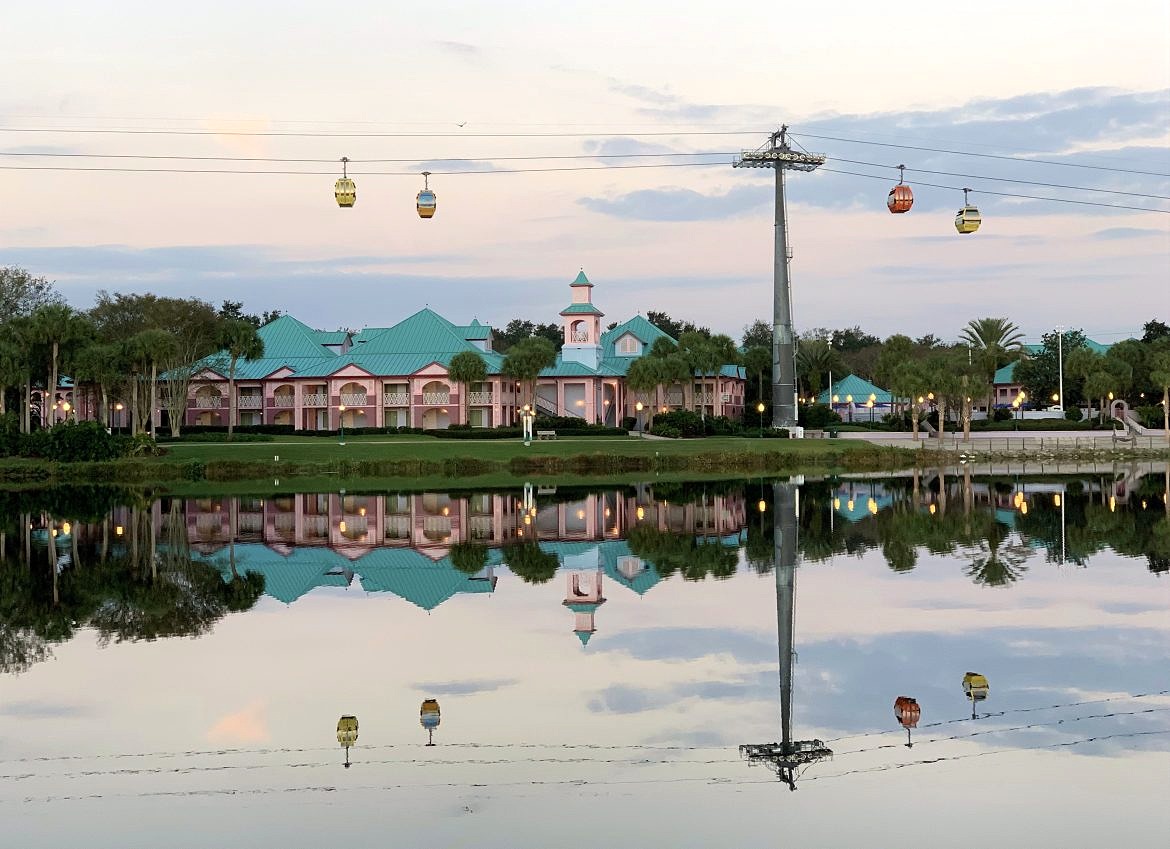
[(849, 401), (341, 424), (638, 411), (1060, 363), (118, 407), (869, 404), (760, 410)]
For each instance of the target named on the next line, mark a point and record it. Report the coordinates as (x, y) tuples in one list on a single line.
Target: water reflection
[(135, 569)]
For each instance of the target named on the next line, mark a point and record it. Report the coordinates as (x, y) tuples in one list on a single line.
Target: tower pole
[(784, 540), (780, 157)]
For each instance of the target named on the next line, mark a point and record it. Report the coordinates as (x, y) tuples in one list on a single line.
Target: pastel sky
[(1041, 80)]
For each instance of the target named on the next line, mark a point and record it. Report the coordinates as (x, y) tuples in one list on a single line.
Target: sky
[(611, 80)]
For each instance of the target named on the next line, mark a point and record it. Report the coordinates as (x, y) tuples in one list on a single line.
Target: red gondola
[(907, 712), (901, 197)]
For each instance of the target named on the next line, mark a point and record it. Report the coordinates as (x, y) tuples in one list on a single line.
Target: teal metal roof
[(581, 279), (475, 331), (331, 337), (859, 388), (424, 332), (584, 636), (1005, 375), (640, 327), (581, 309)]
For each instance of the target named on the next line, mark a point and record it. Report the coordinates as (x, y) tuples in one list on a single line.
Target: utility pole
[(786, 757), (780, 157), (1060, 363)]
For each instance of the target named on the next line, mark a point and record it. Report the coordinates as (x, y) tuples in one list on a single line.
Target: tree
[(757, 334), (528, 562), (642, 379), (705, 355), (526, 359), (815, 357), (758, 361), (663, 347), (240, 341), (1160, 375), (997, 341), (58, 325), (1038, 373), (910, 380), (466, 368), (1154, 330), (468, 557), (674, 328), (517, 330), (100, 365), (22, 294), (234, 311), (896, 350)]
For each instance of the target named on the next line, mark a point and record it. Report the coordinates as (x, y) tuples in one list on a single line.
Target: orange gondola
[(901, 197), (907, 712)]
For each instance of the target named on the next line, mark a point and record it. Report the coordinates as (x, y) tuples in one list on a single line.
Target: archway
[(436, 419)]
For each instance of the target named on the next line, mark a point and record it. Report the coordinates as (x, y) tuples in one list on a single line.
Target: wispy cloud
[(1111, 233), (679, 204), (34, 709), (465, 688), (460, 48)]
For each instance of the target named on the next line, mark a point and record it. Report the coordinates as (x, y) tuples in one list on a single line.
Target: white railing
[(251, 402), (480, 527), (397, 527), (396, 399), (478, 398), (436, 397), (315, 400), (673, 398), (288, 400), (250, 523), (354, 399), (285, 522), (205, 402), (704, 398), (580, 336)]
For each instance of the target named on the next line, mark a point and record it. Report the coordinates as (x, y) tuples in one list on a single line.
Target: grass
[(413, 461)]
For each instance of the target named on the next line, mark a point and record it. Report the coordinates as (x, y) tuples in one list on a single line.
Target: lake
[(661, 664)]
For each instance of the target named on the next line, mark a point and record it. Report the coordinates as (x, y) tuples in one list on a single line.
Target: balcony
[(315, 400), (250, 402), (436, 398), (674, 399), (284, 400), (704, 398), (580, 336), (354, 399), (396, 399), (480, 398), (207, 402)]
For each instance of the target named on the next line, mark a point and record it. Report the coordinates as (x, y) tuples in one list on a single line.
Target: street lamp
[(869, 404), (760, 410), (118, 407), (638, 411), (341, 424)]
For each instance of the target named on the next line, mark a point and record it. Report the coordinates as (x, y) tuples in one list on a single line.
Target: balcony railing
[(315, 400), (436, 397), (250, 402), (396, 399), (288, 400), (354, 399), (207, 402), (580, 336), (704, 398), (480, 398), (674, 398)]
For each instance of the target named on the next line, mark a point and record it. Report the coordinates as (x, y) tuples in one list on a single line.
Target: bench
[(546, 434), (814, 434), (1121, 436)]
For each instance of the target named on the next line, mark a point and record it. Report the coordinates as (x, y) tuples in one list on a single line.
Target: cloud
[(249, 725), (465, 688), (459, 48), (679, 644), (1111, 233), (440, 165), (679, 204), (33, 709)]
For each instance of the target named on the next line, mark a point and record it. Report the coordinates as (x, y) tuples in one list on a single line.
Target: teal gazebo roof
[(859, 388)]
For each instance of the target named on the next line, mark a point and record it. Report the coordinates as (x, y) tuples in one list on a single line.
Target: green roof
[(583, 636), (640, 328), (581, 309), (1005, 375), (581, 279), (331, 337), (475, 331), (859, 388)]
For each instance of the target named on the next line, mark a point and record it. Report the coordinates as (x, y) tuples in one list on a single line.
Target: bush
[(667, 430), (685, 422), (9, 435), (1074, 414), (1149, 416), (70, 442), (629, 423), (818, 416), (1003, 414), (721, 426)]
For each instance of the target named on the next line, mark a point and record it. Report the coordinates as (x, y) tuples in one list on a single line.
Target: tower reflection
[(788, 757)]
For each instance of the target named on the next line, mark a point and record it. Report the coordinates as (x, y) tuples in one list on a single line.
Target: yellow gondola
[(976, 688), (426, 202), (967, 219), (429, 718), (345, 189), (347, 734)]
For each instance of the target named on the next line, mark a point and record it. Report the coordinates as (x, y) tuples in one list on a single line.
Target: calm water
[(173, 672)]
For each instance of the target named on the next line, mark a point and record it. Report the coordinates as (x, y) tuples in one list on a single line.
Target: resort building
[(397, 376)]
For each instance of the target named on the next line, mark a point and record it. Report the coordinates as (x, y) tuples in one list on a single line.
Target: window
[(629, 345)]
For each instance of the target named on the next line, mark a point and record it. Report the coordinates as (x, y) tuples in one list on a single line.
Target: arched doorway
[(353, 395), (284, 417), (436, 419)]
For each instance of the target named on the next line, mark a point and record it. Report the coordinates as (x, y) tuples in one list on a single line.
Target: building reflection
[(410, 544)]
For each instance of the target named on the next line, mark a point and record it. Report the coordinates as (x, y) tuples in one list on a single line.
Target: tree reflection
[(686, 554)]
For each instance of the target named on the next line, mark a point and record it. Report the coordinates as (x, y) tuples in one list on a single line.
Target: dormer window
[(628, 346)]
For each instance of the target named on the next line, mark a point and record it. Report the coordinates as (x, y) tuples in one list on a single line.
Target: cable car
[(347, 734), (428, 717), (976, 688), (967, 219), (426, 201), (907, 712), (345, 189), (901, 197)]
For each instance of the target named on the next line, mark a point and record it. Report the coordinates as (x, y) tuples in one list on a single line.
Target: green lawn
[(412, 447)]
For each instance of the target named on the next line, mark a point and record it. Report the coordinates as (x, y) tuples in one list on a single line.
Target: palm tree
[(466, 368), (910, 381), (58, 325), (999, 342), (526, 359), (758, 360), (814, 357), (240, 341), (642, 378)]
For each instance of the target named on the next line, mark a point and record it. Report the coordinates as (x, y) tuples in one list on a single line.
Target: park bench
[(810, 433), (546, 434), (1121, 436)]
